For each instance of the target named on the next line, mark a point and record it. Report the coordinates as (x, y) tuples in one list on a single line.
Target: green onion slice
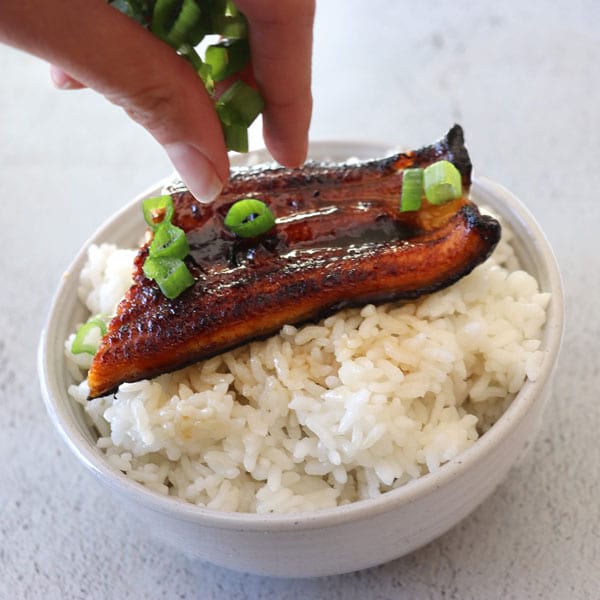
[(163, 17), (236, 137), (197, 33), (158, 209), (230, 26), (205, 73), (249, 218), (169, 242), (188, 51), (171, 274), (240, 104), (87, 338), (227, 57), (412, 190), (231, 10), (442, 181), (186, 22)]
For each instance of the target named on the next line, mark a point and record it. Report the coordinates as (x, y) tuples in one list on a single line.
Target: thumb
[(104, 50)]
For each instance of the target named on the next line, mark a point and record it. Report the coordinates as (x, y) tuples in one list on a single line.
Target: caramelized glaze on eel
[(340, 240)]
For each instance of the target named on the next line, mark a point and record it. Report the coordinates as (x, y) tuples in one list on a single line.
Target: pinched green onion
[(203, 69), (183, 24), (177, 22), (239, 105), (169, 242), (412, 190), (188, 51), (230, 9), (236, 137), (442, 182), (158, 209), (237, 108), (171, 274), (87, 338), (163, 17), (227, 57), (230, 26), (249, 218), (186, 22), (205, 73)]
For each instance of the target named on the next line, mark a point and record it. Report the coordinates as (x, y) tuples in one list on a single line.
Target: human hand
[(92, 45)]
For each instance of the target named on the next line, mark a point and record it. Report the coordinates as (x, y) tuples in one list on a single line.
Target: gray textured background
[(524, 81)]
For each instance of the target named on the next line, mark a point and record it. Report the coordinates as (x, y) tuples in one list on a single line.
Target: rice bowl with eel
[(297, 443)]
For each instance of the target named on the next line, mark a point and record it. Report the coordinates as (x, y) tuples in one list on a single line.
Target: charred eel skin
[(340, 240)]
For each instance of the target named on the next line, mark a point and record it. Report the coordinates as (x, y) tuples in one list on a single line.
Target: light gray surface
[(524, 81)]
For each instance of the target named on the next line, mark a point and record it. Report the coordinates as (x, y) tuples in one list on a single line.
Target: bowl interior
[(126, 228)]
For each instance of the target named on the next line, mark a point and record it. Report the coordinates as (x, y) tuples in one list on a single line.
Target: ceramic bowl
[(329, 541)]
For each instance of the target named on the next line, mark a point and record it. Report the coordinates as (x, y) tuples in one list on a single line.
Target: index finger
[(281, 34)]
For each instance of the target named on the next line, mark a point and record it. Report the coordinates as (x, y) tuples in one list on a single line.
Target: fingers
[(102, 49), (281, 47), (93, 45)]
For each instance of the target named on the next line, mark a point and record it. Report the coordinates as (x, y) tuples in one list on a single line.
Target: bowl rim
[(410, 492)]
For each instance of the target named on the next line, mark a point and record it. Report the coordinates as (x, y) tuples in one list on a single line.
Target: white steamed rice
[(326, 414)]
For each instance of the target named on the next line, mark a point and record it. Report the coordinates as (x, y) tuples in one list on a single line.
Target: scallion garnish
[(183, 24), (230, 26), (240, 104), (164, 263), (87, 338), (412, 190), (158, 210), (442, 182), (236, 136), (249, 218), (171, 274), (227, 58), (186, 21), (164, 13), (169, 242)]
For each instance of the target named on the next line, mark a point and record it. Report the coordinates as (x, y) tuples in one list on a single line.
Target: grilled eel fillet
[(340, 240)]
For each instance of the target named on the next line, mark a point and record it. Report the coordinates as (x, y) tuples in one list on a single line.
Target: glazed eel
[(340, 240)]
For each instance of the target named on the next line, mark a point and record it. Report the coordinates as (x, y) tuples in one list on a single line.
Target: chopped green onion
[(230, 26), (158, 209), (249, 218), (231, 9), (240, 104), (171, 274), (442, 181), (183, 24), (163, 17), (227, 58), (205, 73), (169, 246), (412, 190), (189, 52), (187, 20), (204, 70), (197, 33), (169, 242), (236, 137), (81, 343)]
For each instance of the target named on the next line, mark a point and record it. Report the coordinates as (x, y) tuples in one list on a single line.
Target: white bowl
[(328, 541)]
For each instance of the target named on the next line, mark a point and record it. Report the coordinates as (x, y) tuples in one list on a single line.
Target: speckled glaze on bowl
[(329, 541)]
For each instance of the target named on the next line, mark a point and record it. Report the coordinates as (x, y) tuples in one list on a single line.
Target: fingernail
[(60, 79), (196, 171)]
